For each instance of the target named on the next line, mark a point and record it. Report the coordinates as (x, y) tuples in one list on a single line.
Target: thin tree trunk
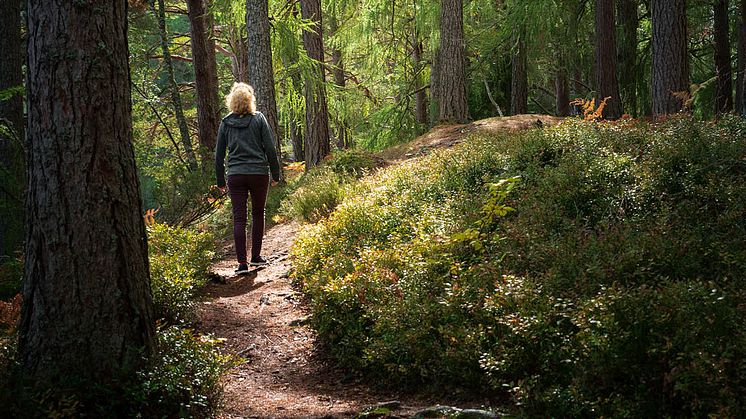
[(606, 80), (670, 71), (240, 49), (452, 104), (420, 98), (11, 117), (206, 80), (741, 80), (296, 118), (317, 117), (724, 88), (87, 313), (186, 142), (561, 89), (261, 72), (338, 73), (628, 22), (519, 78)]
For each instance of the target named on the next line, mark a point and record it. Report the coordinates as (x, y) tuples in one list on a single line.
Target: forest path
[(263, 319)]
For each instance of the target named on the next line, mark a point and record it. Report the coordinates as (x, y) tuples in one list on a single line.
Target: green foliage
[(353, 162), (315, 195), (183, 377), (611, 268), (179, 263)]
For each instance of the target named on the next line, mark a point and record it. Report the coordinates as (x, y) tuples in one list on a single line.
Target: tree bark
[(420, 98), (628, 21), (452, 103), (338, 73), (519, 78), (670, 72), (562, 90), (87, 312), (11, 117), (261, 71), (724, 87), (317, 116), (606, 80), (206, 78), (186, 142), (741, 79)]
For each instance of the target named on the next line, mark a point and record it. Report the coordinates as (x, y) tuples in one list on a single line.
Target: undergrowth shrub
[(315, 195), (179, 262), (183, 377), (607, 281)]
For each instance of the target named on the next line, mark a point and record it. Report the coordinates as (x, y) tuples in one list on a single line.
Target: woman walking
[(252, 156)]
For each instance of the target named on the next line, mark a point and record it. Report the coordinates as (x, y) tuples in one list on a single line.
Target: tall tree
[(87, 311), (670, 56), (261, 73), (628, 22), (607, 85), (338, 73), (317, 116), (741, 79), (420, 97), (519, 77), (206, 77), (186, 142), (11, 118), (724, 86), (561, 89), (452, 103)]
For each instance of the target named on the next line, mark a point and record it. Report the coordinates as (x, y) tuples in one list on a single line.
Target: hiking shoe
[(242, 269), (260, 261)]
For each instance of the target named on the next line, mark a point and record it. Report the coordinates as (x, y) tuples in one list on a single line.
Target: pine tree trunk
[(87, 311), (724, 87), (261, 71), (606, 80), (741, 80), (186, 142), (11, 116), (519, 78), (628, 22), (452, 103), (338, 73), (317, 117), (420, 98), (206, 78), (670, 72), (561, 90)]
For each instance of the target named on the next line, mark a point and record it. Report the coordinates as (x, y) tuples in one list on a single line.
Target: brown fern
[(591, 112), (10, 313)]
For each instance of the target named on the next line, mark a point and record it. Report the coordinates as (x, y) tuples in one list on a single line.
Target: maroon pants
[(240, 187)]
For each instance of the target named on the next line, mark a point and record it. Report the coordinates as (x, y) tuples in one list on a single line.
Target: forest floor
[(263, 318)]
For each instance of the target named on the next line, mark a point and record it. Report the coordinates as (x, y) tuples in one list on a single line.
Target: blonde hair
[(241, 99)]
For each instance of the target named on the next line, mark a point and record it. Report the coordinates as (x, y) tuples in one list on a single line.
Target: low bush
[(179, 262), (180, 379), (592, 269), (315, 195), (183, 377)]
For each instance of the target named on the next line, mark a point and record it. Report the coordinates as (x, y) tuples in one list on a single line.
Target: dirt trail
[(263, 319)]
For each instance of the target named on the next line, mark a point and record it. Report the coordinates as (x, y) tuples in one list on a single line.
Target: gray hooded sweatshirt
[(251, 149)]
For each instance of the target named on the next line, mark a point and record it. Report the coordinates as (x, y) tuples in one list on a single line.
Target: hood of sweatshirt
[(238, 121)]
